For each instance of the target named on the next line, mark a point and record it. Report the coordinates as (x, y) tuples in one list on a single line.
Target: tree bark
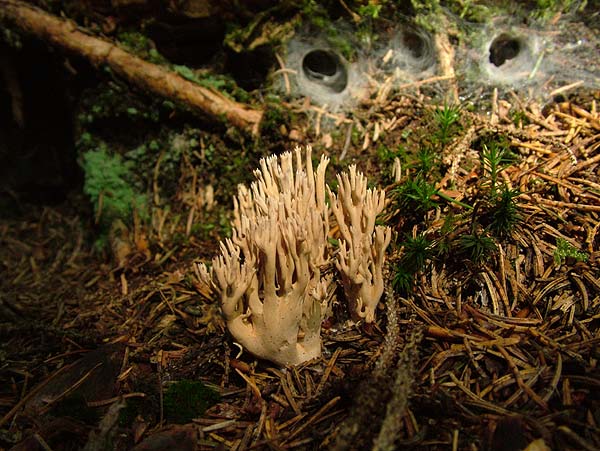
[(147, 76)]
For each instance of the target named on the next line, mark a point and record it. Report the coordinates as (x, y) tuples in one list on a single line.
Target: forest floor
[(492, 300)]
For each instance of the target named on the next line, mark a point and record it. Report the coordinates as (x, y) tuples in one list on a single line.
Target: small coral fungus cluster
[(270, 276)]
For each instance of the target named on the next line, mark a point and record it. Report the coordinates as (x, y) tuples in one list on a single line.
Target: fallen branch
[(149, 77)]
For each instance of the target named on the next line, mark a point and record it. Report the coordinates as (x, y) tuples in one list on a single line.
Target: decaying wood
[(149, 77)]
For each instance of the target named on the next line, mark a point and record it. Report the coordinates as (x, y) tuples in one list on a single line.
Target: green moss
[(218, 82), (341, 42), (263, 29), (417, 251), (477, 246), (140, 45), (107, 183), (427, 162), (370, 10), (112, 101), (565, 250), (428, 14), (519, 118), (447, 122), (548, 9), (186, 400), (504, 212), (273, 118), (416, 195)]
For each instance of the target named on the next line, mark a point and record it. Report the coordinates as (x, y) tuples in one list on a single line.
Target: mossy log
[(147, 76)]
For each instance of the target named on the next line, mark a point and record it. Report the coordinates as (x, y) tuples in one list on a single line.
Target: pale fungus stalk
[(269, 273), (270, 276), (362, 245)]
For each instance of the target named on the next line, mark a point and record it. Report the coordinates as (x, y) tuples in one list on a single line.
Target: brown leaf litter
[(493, 356)]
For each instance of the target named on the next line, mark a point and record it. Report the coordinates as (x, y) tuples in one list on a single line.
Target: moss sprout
[(566, 251)]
